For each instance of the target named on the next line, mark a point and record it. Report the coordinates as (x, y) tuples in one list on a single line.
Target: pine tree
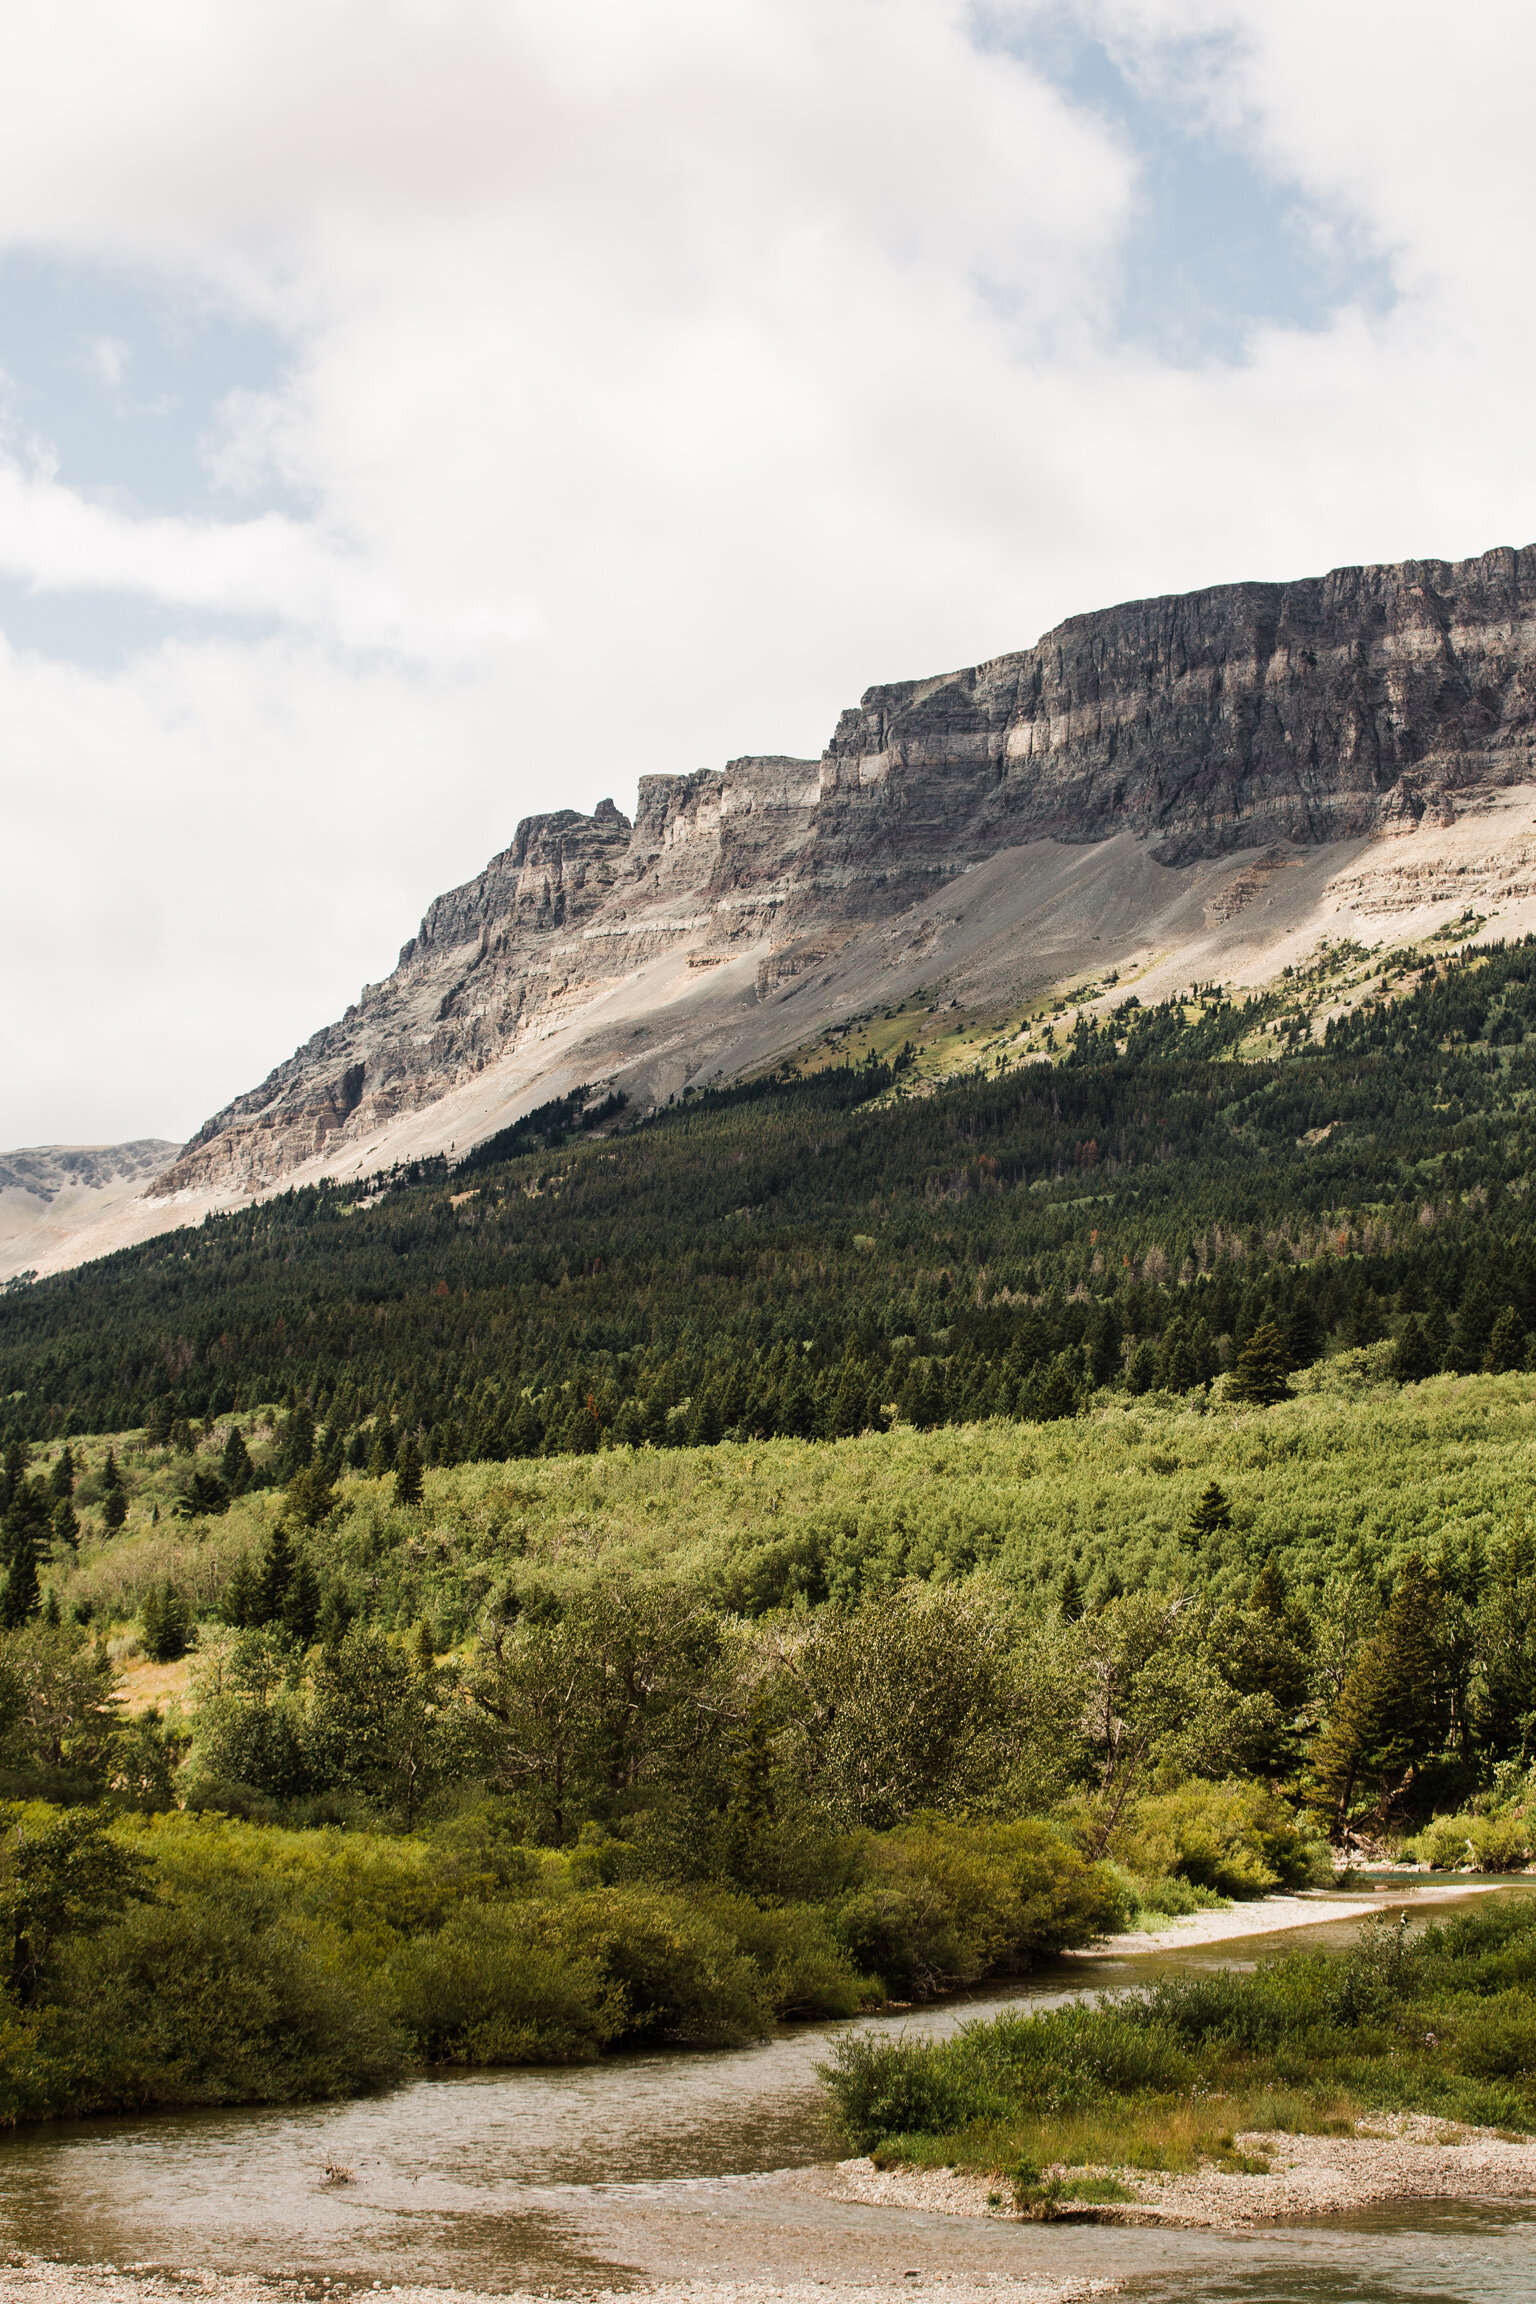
[(61, 1480), (114, 1496), (235, 1464), (424, 1650), (1474, 1324), (53, 1615), (1259, 1379), (1387, 1720), (1506, 1345), (1303, 1334), (21, 1599), (916, 1401), (276, 1575), (1054, 1391), (705, 1422), (1211, 1516), (850, 1402), (1506, 1709), (1412, 1359), (336, 1615), (151, 1630), (1107, 1586), (381, 1457), (14, 1474), (310, 1496), (525, 1436), (165, 1623), (408, 1483), (299, 1439), (1069, 1597), (1268, 1596), (242, 1596), (180, 1629), (301, 1604), (1180, 1370), (1103, 1345), (66, 1526)]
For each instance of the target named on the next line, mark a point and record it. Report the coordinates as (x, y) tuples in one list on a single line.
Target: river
[(672, 2166)]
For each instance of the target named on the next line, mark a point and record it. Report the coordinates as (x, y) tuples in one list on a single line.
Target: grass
[(1158, 2135)]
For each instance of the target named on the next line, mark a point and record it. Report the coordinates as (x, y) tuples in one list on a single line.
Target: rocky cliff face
[(1301, 713)]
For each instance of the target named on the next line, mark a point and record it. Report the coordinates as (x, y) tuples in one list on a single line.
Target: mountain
[(1205, 785), (50, 1194), (1127, 786)]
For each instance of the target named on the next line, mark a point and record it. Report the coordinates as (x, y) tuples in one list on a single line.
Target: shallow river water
[(671, 2166)]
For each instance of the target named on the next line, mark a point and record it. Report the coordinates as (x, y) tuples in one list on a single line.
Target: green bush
[(1488, 1843), (1444, 1845), (677, 1974), (1232, 1839), (987, 2073), (489, 1988), (805, 1970), (1173, 1898), (217, 1999), (943, 1904), (1499, 1843), (1499, 2041)]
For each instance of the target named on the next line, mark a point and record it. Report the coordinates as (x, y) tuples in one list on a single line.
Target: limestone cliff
[(1200, 725)]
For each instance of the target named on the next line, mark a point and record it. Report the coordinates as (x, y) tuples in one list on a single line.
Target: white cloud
[(659, 377)]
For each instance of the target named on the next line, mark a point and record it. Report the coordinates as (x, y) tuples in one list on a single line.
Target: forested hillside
[(811, 1256)]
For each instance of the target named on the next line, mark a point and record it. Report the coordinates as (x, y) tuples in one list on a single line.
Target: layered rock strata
[(1233, 719)]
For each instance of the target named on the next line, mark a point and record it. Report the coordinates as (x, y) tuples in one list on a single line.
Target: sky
[(417, 414)]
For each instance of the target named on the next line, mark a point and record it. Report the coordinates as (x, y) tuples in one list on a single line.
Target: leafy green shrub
[(1499, 2041), (217, 1999), (1176, 1898), (1444, 1845), (805, 1970), (884, 2087), (1233, 1839), (944, 1904), (1499, 1843), (1445, 2023), (488, 1987), (679, 1976), (1169, 1896), (988, 2072)]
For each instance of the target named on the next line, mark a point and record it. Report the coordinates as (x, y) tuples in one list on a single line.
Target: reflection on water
[(675, 2164)]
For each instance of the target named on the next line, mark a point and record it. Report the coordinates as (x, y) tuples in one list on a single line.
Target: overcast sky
[(419, 413)]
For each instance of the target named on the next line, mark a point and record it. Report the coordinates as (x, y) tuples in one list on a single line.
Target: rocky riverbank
[(33, 2280)]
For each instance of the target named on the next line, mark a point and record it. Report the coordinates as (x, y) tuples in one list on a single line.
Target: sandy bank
[(1405, 2156), (31, 2280), (1267, 1915)]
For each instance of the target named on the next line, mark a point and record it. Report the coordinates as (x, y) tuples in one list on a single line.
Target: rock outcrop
[(51, 1195), (43, 1171), (1233, 719)]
